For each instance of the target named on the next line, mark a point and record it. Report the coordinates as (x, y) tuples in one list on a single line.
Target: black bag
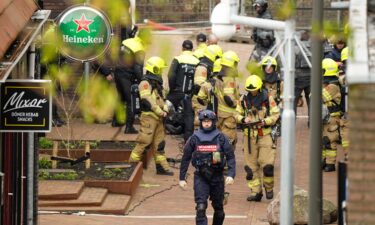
[(135, 99)]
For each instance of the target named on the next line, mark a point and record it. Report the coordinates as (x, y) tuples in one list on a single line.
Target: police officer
[(129, 72), (154, 110), (181, 81), (225, 90), (208, 149), (258, 111), (331, 97), (201, 40), (264, 39), (274, 85), (303, 72), (202, 74)]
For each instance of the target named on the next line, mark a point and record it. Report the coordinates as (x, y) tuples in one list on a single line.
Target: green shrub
[(45, 143), (44, 163)]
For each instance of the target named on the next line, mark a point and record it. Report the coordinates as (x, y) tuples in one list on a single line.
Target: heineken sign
[(84, 33)]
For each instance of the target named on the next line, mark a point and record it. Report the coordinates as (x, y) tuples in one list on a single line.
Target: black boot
[(255, 198), (269, 194), (218, 218), (130, 130), (161, 171), (329, 168)]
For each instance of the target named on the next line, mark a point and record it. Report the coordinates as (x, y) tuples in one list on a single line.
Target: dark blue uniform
[(208, 152)]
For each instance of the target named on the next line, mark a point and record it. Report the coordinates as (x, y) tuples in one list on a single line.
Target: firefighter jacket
[(181, 73), (152, 99), (274, 86), (203, 72), (261, 107), (208, 149), (198, 53), (331, 96), (132, 59)]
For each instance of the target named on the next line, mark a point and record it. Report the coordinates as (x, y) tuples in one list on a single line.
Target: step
[(56, 189), (113, 204), (89, 197)]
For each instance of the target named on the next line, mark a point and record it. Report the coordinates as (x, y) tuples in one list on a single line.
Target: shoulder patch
[(232, 85), (145, 85), (273, 103)]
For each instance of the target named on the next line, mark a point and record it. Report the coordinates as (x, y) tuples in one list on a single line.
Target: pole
[(288, 129), (30, 151), (315, 174), (86, 75)]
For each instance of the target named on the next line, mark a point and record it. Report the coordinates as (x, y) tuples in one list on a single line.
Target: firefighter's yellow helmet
[(253, 83), (269, 61), (155, 65), (212, 52), (344, 54), (217, 66), (330, 67), (230, 59)]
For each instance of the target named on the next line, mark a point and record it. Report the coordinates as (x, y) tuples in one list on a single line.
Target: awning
[(22, 42)]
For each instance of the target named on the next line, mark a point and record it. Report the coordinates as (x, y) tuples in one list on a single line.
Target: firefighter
[(264, 39), (338, 45), (344, 123), (201, 45), (274, 85), (208, 150), (258, 111), (225, 90), (203, 72), (129, 72), (154, 110), (331, 97), (181, 81)]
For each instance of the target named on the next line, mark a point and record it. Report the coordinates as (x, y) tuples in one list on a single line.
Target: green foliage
[(43, 175), (286, 10), (45, 143), (44, 163)]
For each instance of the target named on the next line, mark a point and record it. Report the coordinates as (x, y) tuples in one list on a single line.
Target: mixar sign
[(25, 106), (84, 33)]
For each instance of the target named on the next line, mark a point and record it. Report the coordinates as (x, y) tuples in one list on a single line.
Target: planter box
[(102, 155), (128, 187)]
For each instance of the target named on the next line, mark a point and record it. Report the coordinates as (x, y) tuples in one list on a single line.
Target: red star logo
[(83, 24)]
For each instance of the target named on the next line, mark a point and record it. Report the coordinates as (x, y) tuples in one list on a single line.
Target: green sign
[(84, 32)]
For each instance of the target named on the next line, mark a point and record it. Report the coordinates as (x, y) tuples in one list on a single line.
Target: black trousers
[(185, 100), (123, 85), (302, 84)]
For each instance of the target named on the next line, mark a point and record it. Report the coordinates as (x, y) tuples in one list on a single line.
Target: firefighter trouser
[(228, 126), (259, 163), (344, 131), (151, 134), (330, 138), (197, 107)]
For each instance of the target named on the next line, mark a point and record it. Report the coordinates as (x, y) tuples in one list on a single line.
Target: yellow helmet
[(230, 59), (217, 66), (344, 54), (269, 61), (155, 65), (212, 52), (253, 83), (330, 67)]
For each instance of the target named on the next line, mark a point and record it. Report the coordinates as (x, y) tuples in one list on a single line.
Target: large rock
[(300, 203)]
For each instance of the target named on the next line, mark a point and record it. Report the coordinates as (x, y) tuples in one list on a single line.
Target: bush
[(44, 163), (45, 143)]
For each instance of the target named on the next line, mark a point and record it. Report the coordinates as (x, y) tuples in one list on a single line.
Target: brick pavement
[(179, 204)]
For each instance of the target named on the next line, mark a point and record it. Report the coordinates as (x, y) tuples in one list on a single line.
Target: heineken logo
[(83, 24), (84, 33)]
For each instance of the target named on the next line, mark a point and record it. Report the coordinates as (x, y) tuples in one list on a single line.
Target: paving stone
[(49, 190)]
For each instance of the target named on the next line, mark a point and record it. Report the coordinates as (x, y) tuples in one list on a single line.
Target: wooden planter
[(102, 155), (128, 187)]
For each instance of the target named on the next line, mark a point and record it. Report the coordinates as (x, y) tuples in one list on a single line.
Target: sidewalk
[(176, 206)]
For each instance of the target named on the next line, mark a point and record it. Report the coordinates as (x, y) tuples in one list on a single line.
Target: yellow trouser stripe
[(331, 153), (224, 108), (326, 95), (160, 158), (228, 90), (253, 183), (345, 144), (144, 93), (268, 179), (135, 157), (324, 153), (336, 114)]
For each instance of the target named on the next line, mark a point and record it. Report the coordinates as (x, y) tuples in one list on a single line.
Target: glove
[(228, 181), (182, 184)]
